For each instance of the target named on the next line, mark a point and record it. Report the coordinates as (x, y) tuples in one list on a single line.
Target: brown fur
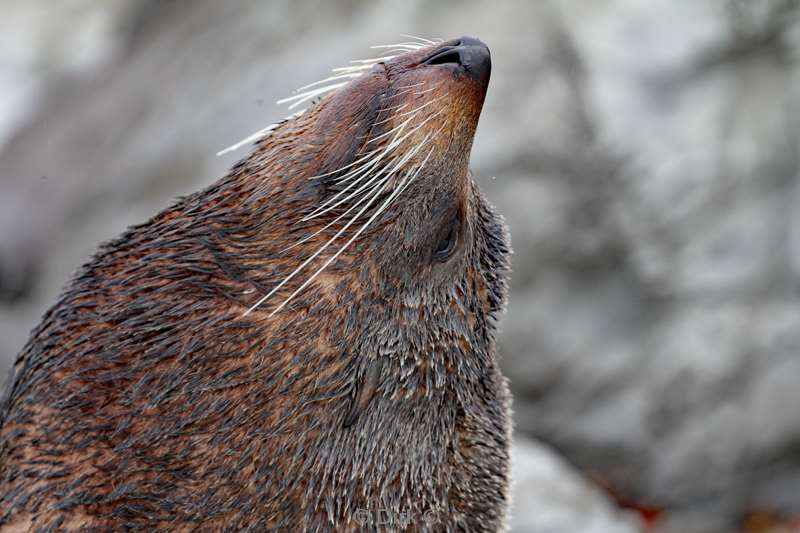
[(146, 400)]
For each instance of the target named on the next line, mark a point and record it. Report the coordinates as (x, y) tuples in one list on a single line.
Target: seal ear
[(365, 391)]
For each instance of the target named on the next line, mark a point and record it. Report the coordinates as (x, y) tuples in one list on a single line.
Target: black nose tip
[(468, 53)]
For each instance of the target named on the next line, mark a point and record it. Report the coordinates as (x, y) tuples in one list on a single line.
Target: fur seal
[(305, 345)]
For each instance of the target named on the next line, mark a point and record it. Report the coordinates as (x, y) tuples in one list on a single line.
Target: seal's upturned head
[(308, 344), (386, 155)]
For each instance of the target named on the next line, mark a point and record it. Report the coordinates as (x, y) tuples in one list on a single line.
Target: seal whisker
[(250, 138), (357, 161), (352, 68), (405, 185), (338, 218), (371, 196), (422, 39), (384, 121), (433, 136), (400, 93), (396, 141), (381, 153), (408, 46), (372, 61), (404, 44), (426, 104), (308, 95), (404, 123), (398, 51), (358, 67), (328, 79), (401, 186), (332, 222), (393, 108), (325, 207), (308, 260), (369, 182), (371, 161), (260, 133), (387, 133), (357, 174), (306, 92), (354, 237), (411, 86), (425, 91)]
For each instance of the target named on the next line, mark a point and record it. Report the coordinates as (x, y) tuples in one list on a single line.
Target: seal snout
[(467, 53)]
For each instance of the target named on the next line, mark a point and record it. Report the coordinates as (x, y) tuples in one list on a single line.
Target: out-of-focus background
[(646, 155)]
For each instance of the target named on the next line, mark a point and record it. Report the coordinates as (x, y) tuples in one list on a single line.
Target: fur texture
[(146, 399)]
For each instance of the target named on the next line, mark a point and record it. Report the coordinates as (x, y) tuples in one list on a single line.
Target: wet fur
[(146, 400)]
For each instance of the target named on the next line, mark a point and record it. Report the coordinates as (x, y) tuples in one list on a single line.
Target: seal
[(305, 345)]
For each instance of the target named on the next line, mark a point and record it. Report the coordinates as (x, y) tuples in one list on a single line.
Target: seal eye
[(447, 240)]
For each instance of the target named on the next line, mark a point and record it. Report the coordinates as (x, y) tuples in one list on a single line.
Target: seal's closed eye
[(448, 239)]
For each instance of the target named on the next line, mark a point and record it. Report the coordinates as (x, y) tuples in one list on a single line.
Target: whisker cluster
[(370, 184), (341, 76)]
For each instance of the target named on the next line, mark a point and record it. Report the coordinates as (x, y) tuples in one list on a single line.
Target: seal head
[(306, 345)]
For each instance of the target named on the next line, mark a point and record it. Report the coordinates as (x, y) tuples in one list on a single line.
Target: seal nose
[(471, 54)]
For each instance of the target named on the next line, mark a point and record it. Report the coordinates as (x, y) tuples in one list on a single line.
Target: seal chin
[(467, 54)]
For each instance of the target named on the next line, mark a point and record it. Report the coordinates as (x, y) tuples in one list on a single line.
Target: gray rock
[(551, 497)]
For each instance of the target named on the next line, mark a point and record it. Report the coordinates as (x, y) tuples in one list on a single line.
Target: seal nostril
[(470, 55), (448, 54)]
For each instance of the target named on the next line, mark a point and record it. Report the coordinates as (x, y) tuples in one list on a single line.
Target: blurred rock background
[(646, 156)]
